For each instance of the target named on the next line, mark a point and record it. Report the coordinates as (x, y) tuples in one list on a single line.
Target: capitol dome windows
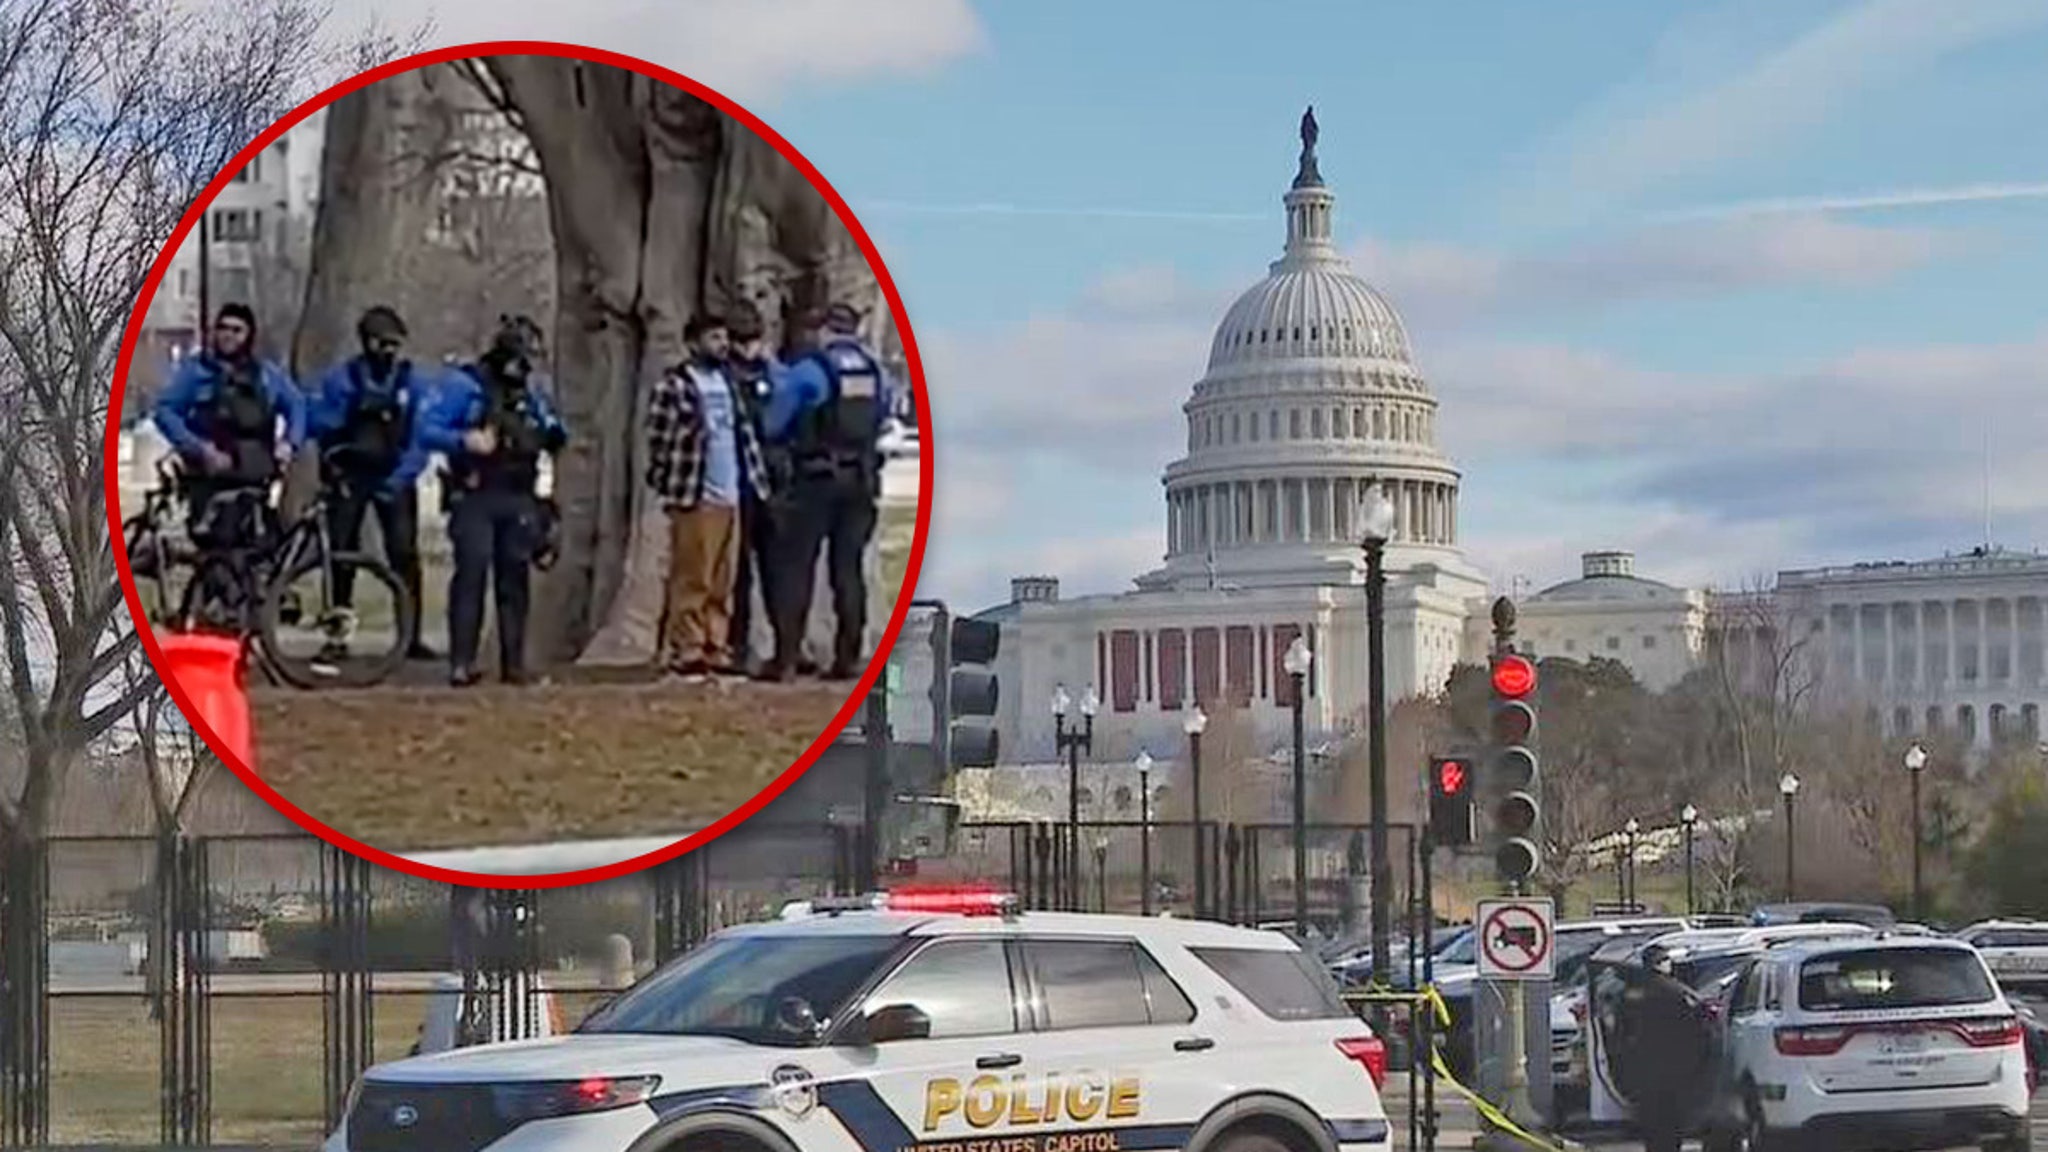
[(1315, 420)]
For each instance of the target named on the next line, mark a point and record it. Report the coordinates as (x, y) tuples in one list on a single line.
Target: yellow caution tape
[(1439, 1008)]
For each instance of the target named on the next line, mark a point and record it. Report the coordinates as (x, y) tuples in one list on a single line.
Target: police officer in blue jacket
[(493, 423), (366, 416), (828, 411), (233, 419)]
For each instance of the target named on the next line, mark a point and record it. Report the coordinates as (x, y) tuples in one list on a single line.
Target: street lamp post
[(1628, 885), (1916, 760), (1688, 819), (1102, 873), (1297, 662), (1196, 721), (1788, 787), (1378, 523), (1145, 831), (1073, 741)]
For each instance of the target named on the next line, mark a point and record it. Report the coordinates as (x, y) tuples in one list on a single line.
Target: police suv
[(921, 1021), (1906, 1040)]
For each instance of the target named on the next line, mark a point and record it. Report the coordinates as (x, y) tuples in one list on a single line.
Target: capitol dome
[(1312, 397)]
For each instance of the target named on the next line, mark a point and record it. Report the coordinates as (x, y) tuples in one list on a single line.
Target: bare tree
[(1760, 649), (113, 116), (660, 205)]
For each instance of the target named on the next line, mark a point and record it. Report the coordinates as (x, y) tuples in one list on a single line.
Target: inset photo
[(517, 451)]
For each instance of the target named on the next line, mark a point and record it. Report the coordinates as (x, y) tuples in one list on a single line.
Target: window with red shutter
[(1283, 684), (1173, 663), (1208, 667), (1123, 670), (1239, 663)]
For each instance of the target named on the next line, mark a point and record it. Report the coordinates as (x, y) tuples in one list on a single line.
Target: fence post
[(24, 991), (348, 995)]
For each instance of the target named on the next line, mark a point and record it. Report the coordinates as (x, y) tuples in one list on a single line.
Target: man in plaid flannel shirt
[(704, 462)]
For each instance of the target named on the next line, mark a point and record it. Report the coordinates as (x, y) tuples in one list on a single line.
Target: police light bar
[(952, 901)]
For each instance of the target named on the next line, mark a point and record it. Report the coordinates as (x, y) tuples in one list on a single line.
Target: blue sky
[(1739, 286)]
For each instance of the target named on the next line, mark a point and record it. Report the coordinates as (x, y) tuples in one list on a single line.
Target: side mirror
[(890, 1023)]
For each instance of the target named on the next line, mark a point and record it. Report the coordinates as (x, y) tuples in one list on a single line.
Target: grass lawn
[(268, 1068), (413, 767)]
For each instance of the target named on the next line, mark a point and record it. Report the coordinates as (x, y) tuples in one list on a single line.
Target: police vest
[(378, 425), (239, 417), (510, 412), (842, 430)]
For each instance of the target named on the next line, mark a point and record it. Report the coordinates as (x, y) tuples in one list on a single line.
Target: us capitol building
[(1312, 394)]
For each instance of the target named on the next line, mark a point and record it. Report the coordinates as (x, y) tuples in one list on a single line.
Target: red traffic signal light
[(1451, 811), (1513, 676), (1452, 777)]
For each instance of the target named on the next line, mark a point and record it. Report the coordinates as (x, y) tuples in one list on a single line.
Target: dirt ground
[(416, 766), (429, 767)]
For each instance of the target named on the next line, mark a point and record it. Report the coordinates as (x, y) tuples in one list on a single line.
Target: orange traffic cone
[(211, 669)]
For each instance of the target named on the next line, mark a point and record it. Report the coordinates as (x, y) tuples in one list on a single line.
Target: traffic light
[(964, 691), (1513, 777), (1451, 780)]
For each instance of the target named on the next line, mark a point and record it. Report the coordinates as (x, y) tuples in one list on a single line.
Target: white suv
[(942, 1021), (1904, 1037), (2016, 950)]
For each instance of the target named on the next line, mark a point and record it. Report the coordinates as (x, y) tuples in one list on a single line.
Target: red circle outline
[(1534, 960), (112, 469)]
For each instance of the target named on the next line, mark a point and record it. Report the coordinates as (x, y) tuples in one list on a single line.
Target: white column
[(1955, 662), (1856, 644), (2012, 624)]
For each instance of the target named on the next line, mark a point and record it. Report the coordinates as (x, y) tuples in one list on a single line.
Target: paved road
[(1458, 1123)]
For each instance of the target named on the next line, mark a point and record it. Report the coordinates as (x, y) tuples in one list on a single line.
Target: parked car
[(2016, 951), (1903, 1038)]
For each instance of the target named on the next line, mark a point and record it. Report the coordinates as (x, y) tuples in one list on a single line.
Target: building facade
[(1312, 395), (1956, 646), (1659, 631), (250, 230)]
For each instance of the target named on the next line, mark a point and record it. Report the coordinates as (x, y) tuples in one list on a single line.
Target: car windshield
[(1706, 973), (1463, 950), (761, 989), (1893, 978)]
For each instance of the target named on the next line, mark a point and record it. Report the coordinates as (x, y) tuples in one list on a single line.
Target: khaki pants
[(703, 556)]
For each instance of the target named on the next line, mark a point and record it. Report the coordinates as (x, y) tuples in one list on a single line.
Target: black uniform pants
[(837, 514), (398, 525), (492, 530), (756, 566), (1661, 1122)]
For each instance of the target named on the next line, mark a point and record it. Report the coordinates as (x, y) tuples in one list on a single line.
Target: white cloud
[(1057, 427), (1867, 202), (751, 50), (1443, 286), (1637, 142)]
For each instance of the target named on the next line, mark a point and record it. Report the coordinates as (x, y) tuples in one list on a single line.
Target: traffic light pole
[(1376, 749), (875, 790), (1516, 868)]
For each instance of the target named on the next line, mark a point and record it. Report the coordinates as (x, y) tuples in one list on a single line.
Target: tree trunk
[(684, 138), (376, 196)]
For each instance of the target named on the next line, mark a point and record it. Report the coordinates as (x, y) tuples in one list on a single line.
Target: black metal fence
[(175, 989)]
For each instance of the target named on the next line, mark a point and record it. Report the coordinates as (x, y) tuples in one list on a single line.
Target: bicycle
[(246, 588)]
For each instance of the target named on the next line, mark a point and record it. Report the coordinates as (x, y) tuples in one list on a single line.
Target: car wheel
[(1248, 1142)]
